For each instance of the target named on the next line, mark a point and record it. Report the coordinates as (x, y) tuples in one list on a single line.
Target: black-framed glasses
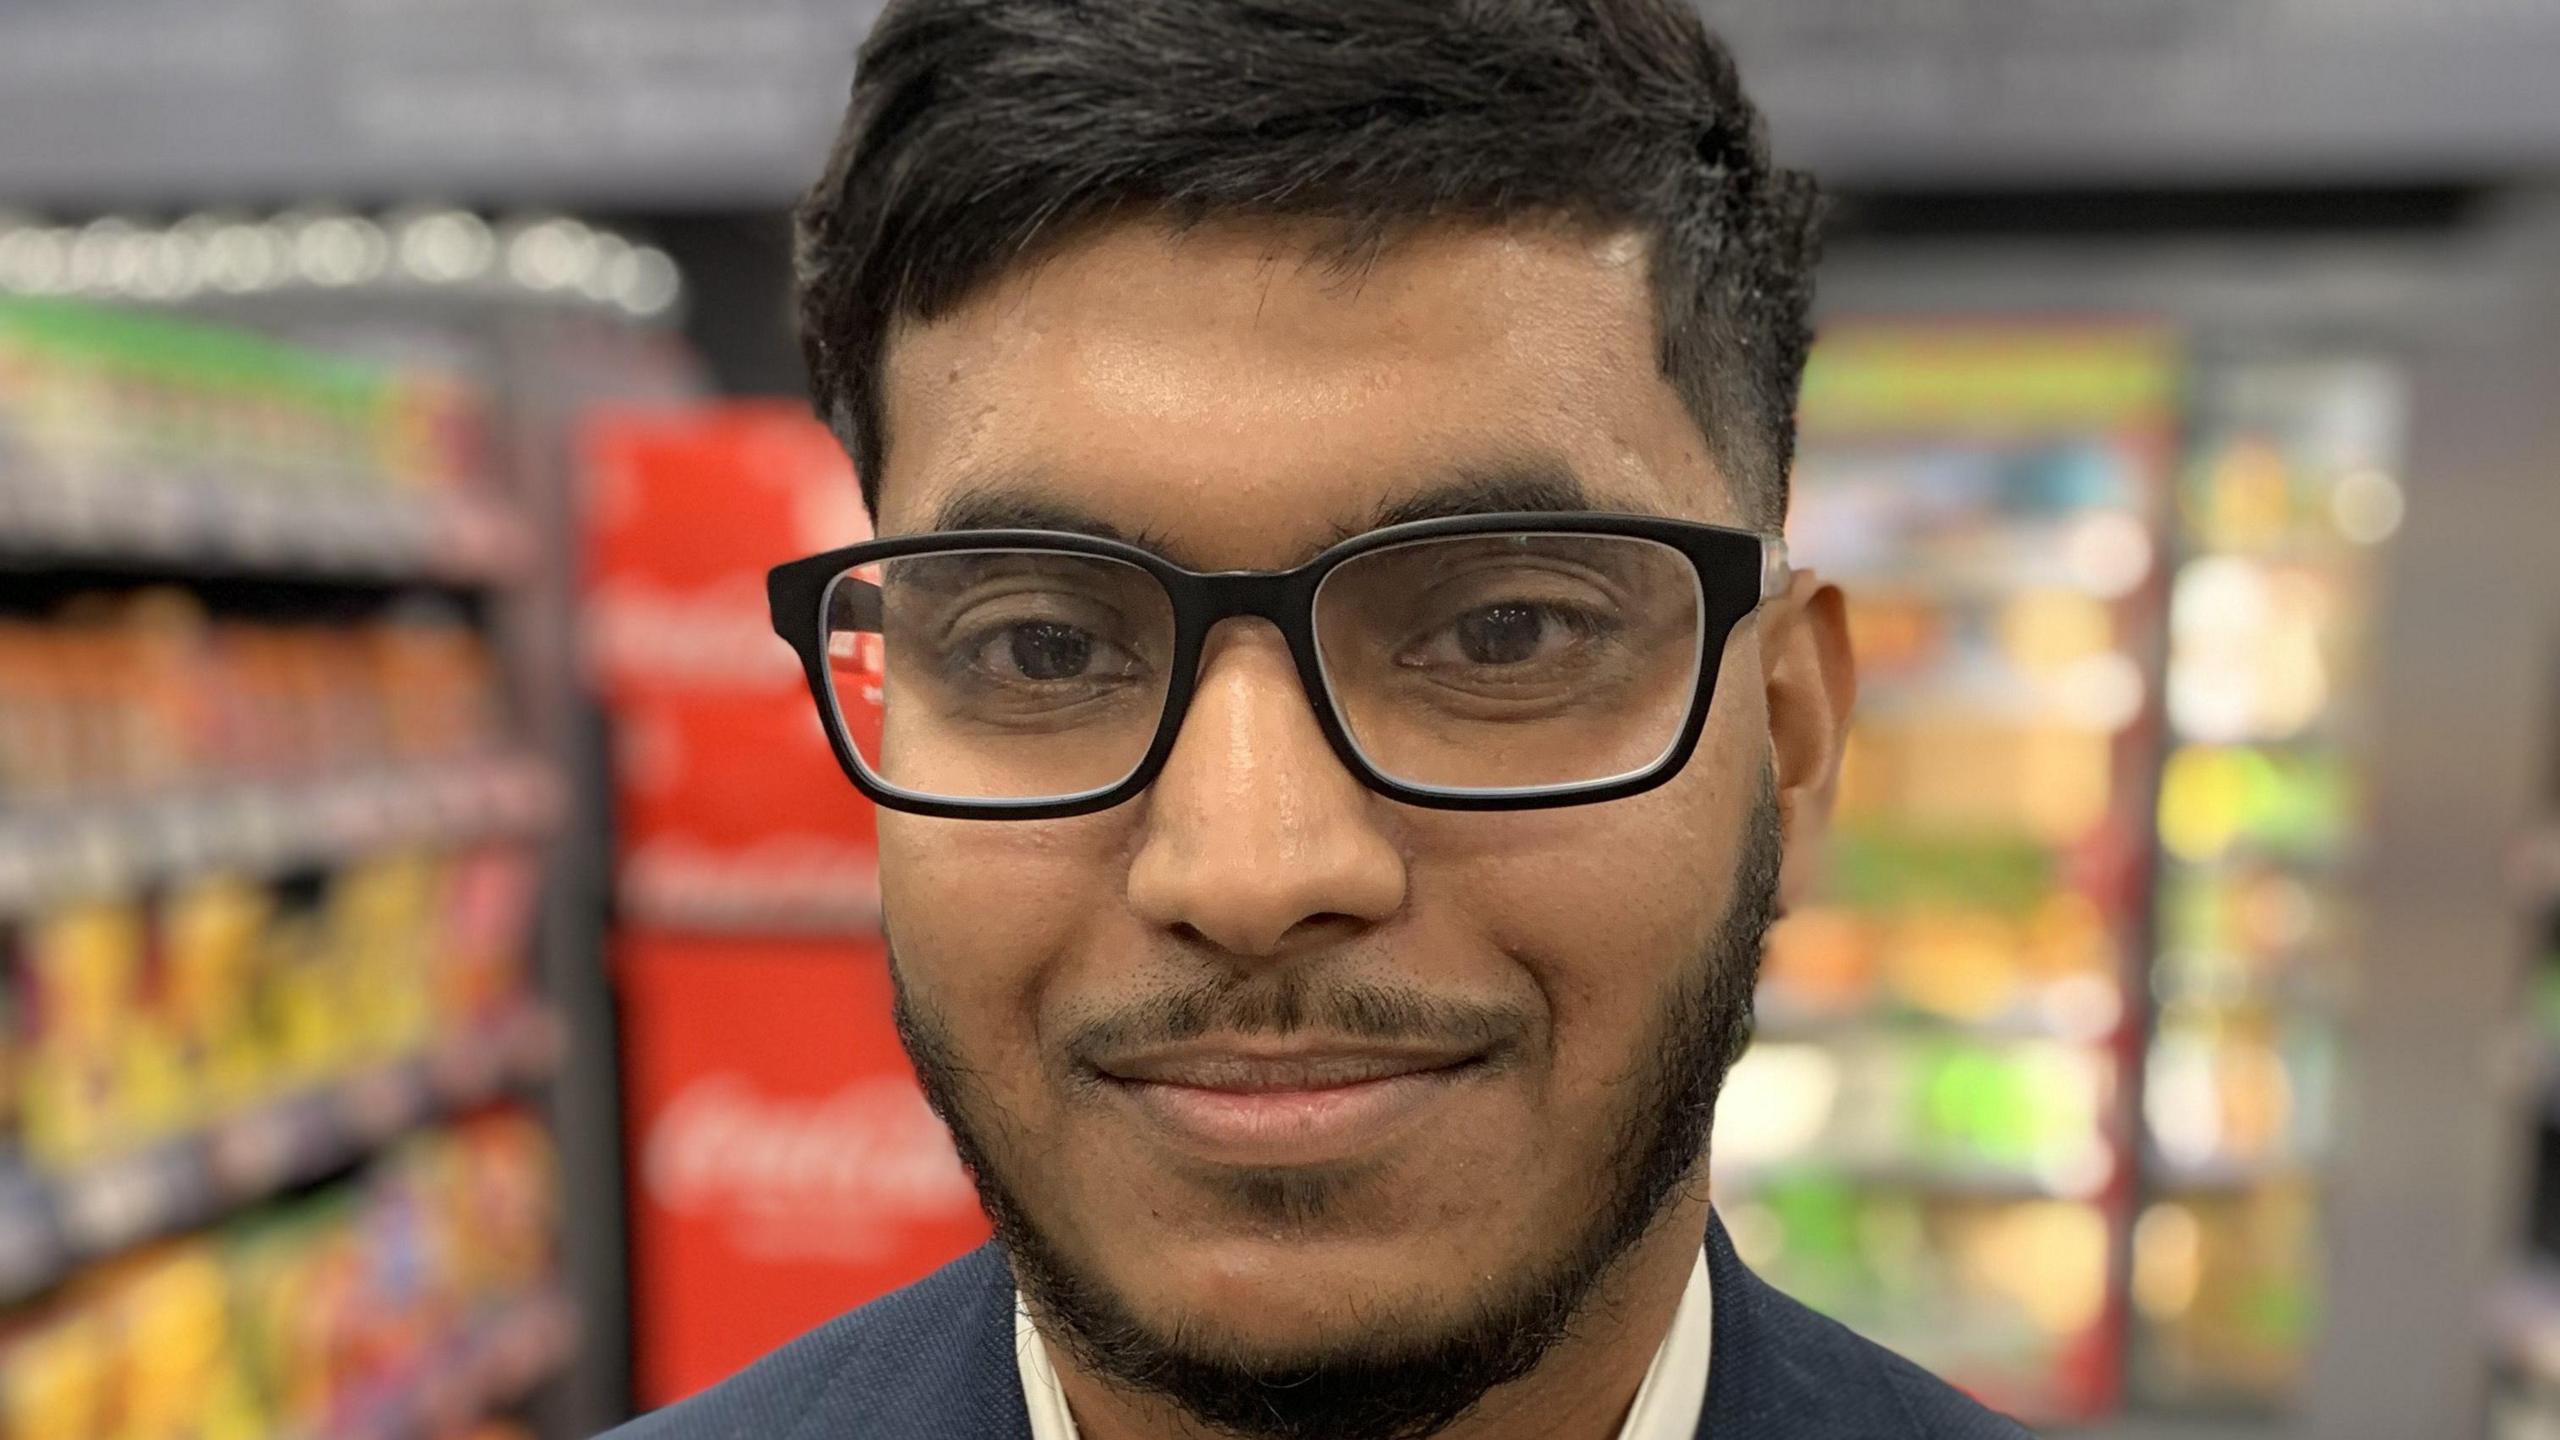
[(1486, 662)]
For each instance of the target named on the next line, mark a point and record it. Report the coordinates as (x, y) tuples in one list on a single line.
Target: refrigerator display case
[(1932, 1138), (2290, 485), (2044, 1079)]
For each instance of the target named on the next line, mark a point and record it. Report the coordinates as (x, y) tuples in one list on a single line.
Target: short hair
[(983, 132)]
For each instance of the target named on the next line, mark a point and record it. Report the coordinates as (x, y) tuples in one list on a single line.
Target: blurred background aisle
[(443, 993)]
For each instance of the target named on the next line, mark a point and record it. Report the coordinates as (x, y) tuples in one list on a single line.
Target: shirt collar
[(1667, 1405)]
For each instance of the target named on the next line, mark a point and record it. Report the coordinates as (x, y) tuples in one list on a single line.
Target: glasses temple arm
[(1775, 573)]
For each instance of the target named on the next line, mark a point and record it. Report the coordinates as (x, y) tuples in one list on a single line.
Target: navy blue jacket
[(935, 1362)]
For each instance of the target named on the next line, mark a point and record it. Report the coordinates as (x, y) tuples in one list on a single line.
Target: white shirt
[(1668, 1404)]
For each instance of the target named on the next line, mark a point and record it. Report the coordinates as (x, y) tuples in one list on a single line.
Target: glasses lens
[(1504, 662), (1019, 675)]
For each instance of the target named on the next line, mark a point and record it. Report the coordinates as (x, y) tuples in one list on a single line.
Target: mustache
[(1294, 1003)]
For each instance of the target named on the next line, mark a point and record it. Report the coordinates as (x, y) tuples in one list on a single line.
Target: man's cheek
[(1613, 911), (967, 890), (1004, 865), (955, 968)]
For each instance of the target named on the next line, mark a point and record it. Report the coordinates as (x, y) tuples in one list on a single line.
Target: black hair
[(982, 131)]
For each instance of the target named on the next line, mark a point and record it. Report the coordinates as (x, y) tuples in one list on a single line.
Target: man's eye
[(1044, 650), (1501, 634), (1510, 633)]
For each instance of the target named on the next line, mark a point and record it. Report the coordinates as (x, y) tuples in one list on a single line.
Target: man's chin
[(1300, 1339), (1265, 1314), (1254, 1346), (1282, 1336)]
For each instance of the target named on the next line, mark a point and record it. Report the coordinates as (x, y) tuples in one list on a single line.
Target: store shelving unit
[(1932, 1138), (270, 833), (536, 318), (2043, 1086), (491, 1366), (52, 1225), (51, 855), (2289, 487), (145, 524)]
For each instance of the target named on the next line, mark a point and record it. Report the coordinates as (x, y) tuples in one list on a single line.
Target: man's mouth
[(1281, 1104)]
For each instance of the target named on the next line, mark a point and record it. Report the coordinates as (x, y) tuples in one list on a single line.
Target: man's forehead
[(1190, 391)]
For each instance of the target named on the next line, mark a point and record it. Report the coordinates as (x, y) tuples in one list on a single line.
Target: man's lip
[(1251, 1070), (1265, 1108)]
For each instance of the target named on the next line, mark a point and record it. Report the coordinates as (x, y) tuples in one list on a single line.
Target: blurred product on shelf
[(1930, 1140), (271, 846), (2288, 488), (173, 1055), (2002, 1274), (139, 437), (1949, 1110), (2226, 1286), (408, 1300), (145, 692), (143, 1017), (2067, 990)]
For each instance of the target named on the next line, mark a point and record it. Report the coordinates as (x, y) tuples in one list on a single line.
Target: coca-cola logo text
[(785, 883), (717, 637), (828, 1177)]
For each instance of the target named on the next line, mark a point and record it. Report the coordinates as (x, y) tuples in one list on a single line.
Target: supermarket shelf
[(2220, 1176), (1955, 1182), (50, 856), (2323, 735), (1790, 1024), (2334, 865), (2004, 695), (496, 1363), (2028, 556), (2297, 989), (260, 530), (51, 1225)]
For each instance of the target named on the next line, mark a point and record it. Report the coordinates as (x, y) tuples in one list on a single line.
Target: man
[(1341, 714)]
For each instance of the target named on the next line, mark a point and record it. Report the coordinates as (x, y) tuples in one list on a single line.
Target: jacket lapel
[(945, 1370), (1781, 1372)]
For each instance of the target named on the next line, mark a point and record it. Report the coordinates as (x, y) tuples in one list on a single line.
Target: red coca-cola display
[(730, 813), (783, 1166)]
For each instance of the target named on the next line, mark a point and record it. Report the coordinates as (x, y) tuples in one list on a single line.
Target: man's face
[(1086, 993)]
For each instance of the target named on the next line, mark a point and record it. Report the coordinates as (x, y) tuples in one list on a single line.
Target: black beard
[(1401, 1387)]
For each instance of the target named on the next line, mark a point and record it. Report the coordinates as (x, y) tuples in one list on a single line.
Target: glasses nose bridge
[(1281, 598), (1272, 595)]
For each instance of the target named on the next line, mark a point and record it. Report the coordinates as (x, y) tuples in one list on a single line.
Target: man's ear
[(1812, 682)]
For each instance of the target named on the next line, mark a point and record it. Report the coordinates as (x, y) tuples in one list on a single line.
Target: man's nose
[(1255, 835)]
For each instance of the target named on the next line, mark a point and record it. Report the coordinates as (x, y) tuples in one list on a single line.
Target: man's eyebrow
[(1004, 507), (1537, 486), (1525, 485)]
